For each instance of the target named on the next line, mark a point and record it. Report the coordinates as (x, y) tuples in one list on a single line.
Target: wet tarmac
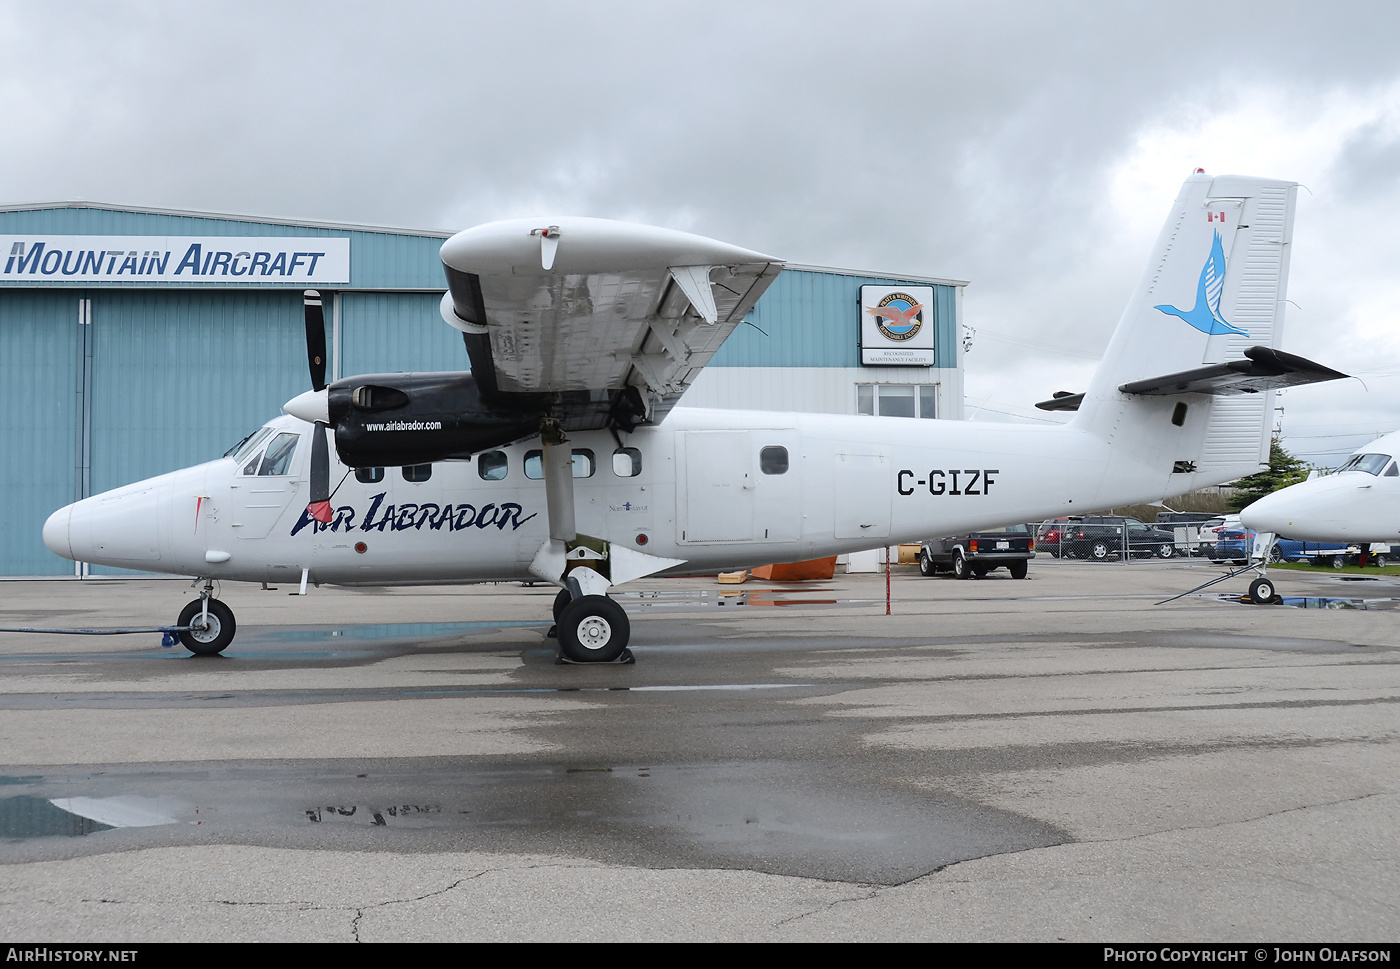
[(1046, 758)]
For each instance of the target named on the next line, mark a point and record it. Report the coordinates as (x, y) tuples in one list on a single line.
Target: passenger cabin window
[(418, 472), (492, 465), (773, 460), (583, 463), (277, 459), (369, 475), (627, 462)]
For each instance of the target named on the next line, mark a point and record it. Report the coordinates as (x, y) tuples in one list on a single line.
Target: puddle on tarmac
[(1325, 602), (725, 598), (33, 817)]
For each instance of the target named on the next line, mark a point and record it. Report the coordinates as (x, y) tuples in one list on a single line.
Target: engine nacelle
[(383, 420)]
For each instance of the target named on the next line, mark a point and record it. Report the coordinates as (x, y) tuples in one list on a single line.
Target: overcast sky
[(1030, 148)]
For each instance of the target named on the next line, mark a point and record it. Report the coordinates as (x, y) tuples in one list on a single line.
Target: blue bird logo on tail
[(1205, 315)]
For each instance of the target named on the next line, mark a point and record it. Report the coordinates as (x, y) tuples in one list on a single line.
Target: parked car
[(977, 553), (1187, 526), (1101, 538), (1235, 544), (1050, 535)]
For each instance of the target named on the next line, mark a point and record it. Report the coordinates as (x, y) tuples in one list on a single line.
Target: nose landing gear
[(210, 624)]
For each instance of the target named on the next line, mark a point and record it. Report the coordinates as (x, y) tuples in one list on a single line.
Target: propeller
[(314, 311), (313, 307)]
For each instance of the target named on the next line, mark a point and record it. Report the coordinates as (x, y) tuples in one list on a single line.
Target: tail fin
[(1213, 289)]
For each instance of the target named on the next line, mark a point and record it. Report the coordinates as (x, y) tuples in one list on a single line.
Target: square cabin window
[(492, 465), (583, 463), (773, 460), (369, 475), (418, 473), (627, 462)]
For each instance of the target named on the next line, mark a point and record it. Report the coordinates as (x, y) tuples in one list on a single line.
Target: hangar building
[(137, 341)]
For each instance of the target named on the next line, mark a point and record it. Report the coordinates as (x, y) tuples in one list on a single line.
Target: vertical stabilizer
[(1214, 287)]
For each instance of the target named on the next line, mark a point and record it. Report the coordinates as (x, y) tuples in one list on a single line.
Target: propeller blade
[(320, 504), (315, 337)]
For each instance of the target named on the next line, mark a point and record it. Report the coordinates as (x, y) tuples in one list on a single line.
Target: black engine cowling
[(382, 420)]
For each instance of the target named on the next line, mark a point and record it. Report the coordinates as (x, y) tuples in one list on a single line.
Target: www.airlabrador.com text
[(406, 426)]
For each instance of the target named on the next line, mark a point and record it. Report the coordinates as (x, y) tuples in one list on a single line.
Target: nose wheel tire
[(211, 638), (1261, 591), (593, 629)]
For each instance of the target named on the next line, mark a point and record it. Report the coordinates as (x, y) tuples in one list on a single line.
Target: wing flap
[(619, 306)]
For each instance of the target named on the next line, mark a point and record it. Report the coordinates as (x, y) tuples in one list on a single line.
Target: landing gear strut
[(210, 622)]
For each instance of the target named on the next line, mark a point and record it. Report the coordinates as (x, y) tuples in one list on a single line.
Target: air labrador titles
[(558, 455)]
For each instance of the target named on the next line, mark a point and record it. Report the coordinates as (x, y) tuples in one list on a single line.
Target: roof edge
[(228, 217), (903, 277)]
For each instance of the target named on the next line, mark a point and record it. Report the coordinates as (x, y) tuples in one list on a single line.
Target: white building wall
[(816, 390)]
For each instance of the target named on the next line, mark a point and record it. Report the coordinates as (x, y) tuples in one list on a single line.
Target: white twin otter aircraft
[(559, 456)]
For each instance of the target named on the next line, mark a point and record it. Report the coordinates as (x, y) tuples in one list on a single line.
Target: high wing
[(596, 321)]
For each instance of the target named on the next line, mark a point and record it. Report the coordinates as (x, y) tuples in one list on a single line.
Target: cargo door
[(716, 487), (862, 482)]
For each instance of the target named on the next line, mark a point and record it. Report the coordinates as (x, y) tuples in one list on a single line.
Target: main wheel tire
[(1018, 569), (1262, 591), (1165, 551), (593, 629), (926, 567), (213, 638), (1099, 551), (961, 570), (560, 601)]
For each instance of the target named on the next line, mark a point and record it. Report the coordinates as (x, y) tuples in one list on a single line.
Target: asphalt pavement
[(1053, 758)]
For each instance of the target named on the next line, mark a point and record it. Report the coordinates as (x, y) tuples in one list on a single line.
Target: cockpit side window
[(1370, 463), (244, 448), (278, 458), (1391, 471)]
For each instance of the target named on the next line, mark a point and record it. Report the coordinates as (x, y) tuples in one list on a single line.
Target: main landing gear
[(210, 624), (591, 629)]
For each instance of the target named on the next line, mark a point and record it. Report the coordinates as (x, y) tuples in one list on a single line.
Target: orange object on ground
[(797, 571)]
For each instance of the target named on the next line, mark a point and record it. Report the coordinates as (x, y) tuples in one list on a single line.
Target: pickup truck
[(977, 553)]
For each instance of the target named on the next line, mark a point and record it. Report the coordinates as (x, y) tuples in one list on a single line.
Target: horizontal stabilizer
[(1263, 368), (1063, 400)]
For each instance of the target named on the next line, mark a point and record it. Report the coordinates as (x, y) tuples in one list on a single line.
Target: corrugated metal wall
[(39, 358), (179, 377), (389, 332)]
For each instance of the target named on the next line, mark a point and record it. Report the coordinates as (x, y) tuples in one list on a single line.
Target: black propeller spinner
[(319, 506)]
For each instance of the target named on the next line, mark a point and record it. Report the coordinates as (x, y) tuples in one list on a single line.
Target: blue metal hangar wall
[(137, 341)]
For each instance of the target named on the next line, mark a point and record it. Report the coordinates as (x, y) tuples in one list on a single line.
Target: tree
[(1284, 469)]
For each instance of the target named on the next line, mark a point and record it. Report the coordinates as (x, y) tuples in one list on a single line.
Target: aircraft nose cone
[(311, 407), (56, 532)]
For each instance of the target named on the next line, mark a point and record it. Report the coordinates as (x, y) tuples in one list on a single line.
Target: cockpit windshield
[(248, 445), (1370, 463)]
